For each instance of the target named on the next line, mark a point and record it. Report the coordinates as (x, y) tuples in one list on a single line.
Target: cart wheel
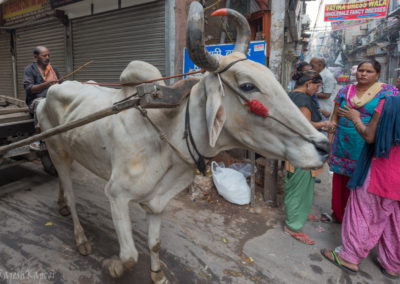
[(48, 164)]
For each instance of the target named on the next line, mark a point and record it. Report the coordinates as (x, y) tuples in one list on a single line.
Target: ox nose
[(323, 149)]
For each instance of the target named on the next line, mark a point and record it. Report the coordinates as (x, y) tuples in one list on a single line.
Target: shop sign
[(356, 10), (340, 25), (257, 52), (59, 3), (15, 8)]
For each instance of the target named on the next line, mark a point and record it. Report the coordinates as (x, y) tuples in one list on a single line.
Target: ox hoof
[(85, 248), (159, 277), (129, 264), (114, 266), (64, 211)]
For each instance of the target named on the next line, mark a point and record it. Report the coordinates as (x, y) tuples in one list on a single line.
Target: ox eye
[(248, 87)]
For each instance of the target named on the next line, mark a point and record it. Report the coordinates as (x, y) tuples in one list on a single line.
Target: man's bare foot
[(299, 236)]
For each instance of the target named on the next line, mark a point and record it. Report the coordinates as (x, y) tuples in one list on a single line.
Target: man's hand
[(40, 87), (50, 83)]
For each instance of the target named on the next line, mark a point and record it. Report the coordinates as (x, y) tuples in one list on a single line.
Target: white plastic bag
[(244, 168), (231, 184)]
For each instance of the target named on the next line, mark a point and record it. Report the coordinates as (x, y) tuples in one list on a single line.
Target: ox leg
[(62, 162), (128, 255), (157, 275), (62, 202)]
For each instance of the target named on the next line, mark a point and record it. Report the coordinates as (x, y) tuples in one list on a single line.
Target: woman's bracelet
[(359, 125)]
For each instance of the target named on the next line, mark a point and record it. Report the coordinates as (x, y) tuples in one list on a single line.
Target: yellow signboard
[(14, 8)]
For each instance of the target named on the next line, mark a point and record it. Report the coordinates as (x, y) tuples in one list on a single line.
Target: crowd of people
[(362, 122)]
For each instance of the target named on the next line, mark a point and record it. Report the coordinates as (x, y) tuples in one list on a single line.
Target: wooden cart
[(17, 127), (16, 123)]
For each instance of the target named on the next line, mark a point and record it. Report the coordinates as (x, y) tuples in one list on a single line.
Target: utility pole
[(278, 8), (277, 37)]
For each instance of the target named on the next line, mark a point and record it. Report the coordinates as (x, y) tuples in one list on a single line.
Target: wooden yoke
[(149, 95), (153, 95)]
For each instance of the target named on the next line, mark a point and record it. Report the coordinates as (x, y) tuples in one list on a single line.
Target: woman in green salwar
[(299, 183)]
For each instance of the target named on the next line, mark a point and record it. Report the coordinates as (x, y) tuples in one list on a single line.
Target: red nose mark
[(220, 12), (257, 107)]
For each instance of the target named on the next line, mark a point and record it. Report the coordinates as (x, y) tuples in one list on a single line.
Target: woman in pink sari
[(346, 142), (373, 210)]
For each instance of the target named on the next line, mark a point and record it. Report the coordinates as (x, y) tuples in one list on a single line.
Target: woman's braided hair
[(303, 77)]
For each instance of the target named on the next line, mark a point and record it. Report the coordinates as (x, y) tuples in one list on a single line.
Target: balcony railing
[(394, 8)]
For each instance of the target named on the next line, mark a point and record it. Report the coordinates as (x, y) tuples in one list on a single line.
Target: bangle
[(358, 124)]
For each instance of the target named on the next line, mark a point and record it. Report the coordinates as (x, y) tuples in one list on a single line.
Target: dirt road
[(206, 241)]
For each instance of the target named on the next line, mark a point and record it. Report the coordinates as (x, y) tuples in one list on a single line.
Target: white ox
[(126, 150)]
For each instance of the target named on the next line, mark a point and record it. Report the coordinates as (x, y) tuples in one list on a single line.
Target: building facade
[(351, 42), (114, 32)]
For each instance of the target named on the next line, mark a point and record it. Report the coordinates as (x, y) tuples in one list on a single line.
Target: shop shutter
[(115, 38), (50, 34), (6, 69)]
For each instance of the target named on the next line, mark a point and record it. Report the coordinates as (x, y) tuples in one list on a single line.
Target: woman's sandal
[(335, 260), (301, 237), (388, 275), (384, 271)]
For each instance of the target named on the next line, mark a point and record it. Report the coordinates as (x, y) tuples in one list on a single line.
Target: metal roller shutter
[(51, 35), (113, 39), (6, 69)]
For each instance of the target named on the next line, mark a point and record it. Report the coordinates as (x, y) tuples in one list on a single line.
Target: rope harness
[(255, 107), (258, 108), (144, 82)]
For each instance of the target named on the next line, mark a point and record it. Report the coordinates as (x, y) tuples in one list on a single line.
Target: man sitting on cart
[(38, 77)]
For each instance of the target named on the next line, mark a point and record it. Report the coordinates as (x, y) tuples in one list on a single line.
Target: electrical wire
[(316, 20)]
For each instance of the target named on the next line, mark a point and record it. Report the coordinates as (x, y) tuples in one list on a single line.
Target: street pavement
[(202, 241)]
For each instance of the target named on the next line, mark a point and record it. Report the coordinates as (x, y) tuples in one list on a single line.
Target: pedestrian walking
[(300, 66), (346, 142), (373, 211), (299, 183), (326, 91)]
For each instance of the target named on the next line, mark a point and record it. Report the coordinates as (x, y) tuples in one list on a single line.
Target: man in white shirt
[(326, 91)]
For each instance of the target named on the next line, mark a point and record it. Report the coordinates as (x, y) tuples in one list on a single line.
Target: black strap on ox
[(200, 161), (230, 65), (188, 136)]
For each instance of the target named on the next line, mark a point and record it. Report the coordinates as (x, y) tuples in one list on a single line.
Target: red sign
[(356, 11), (14, 8), (340, 25), (59, 3)]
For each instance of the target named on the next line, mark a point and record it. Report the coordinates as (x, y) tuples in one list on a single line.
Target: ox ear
[(215, 112)]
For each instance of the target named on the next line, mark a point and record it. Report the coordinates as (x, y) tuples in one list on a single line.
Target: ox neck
[(196, 156), (172, 122)]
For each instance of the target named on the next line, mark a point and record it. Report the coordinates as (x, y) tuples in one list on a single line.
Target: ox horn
[(242, 28), (195, 35), (195, 39)]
